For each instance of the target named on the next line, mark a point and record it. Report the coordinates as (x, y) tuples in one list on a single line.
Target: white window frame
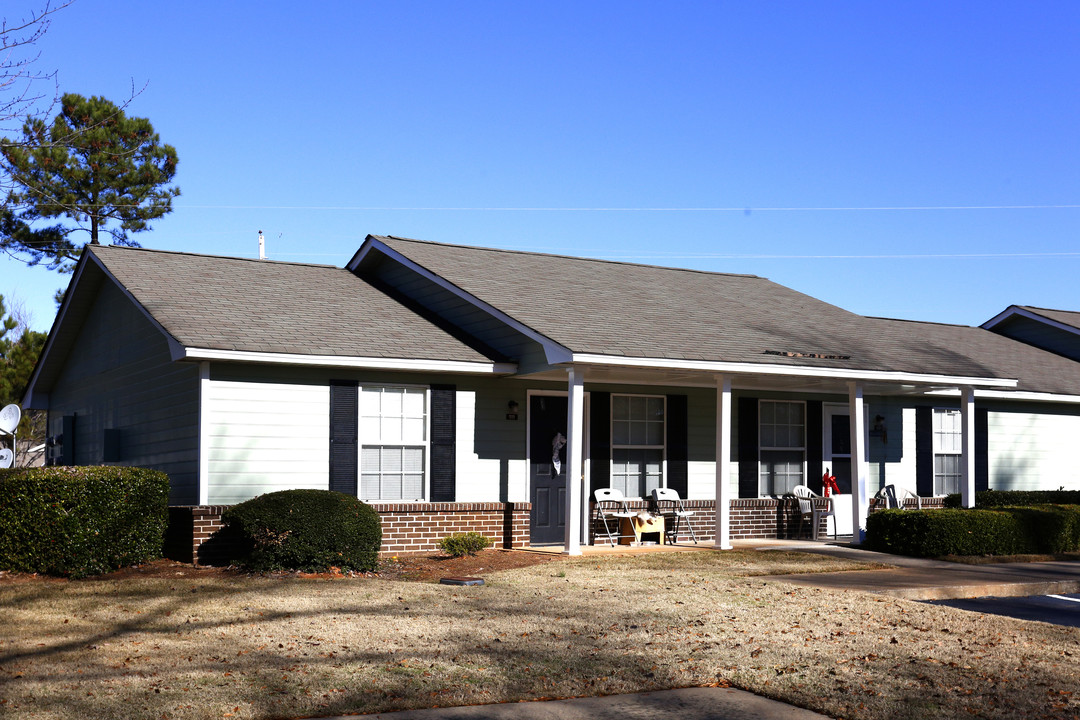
[(957, 434), (363, 442), (772, 448), (614, 446)]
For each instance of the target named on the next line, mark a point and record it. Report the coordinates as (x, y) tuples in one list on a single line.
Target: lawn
[(257, 647)]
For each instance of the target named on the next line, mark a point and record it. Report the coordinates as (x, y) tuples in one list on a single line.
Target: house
[(453, 387)]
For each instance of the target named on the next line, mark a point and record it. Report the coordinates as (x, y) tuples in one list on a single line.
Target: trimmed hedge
[(1017, 498), (1006, 531), (312, 530), (80, 521)]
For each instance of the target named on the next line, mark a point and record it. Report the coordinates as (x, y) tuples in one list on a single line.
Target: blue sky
[(913, 160)]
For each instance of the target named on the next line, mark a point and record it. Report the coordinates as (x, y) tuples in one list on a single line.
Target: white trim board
[(1014, 311), (375, 363), (792, 371), (1020, 395)]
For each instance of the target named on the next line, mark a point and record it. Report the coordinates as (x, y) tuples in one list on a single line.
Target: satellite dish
[(9, 419), (5, 458)]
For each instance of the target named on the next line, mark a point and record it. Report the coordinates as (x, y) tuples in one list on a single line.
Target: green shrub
[(79, 521), (311, 530), (1017, 498), (461, 544), (1006, 531)]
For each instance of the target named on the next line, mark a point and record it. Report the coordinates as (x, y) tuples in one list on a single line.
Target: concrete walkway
[(686, 704), (920, 579)]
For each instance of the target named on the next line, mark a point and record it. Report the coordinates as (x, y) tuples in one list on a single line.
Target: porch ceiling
[(609, 375)]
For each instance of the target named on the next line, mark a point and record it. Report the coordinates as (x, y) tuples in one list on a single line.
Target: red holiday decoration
[(828, 484)]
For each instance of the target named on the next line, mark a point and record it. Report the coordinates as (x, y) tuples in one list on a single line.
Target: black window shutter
[(443, 443), (344, 421), (678, 440), (814, 443), (748, 447), (599, 440), (924, 451), (982, 449)]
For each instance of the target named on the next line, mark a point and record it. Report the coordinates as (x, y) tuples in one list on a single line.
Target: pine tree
[(93, 165)]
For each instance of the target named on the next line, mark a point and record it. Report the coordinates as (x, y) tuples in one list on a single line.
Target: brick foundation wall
[(407, 527), (751, 519), (418, 527)]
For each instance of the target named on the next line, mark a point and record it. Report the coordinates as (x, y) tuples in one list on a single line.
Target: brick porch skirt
[(418, 527), (407, 527)]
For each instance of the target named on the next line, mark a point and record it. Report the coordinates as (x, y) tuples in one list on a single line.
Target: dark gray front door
[(547, 468)]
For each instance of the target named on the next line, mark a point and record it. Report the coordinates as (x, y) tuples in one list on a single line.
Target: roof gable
[(236, 304), (1057, 331)]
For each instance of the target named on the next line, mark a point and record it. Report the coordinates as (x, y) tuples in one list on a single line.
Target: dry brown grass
[(272, 648)]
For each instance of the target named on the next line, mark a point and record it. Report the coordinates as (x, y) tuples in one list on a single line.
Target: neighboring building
[(439, 383), (1055, 330)]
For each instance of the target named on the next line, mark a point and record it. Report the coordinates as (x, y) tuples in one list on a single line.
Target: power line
[(744, 209)]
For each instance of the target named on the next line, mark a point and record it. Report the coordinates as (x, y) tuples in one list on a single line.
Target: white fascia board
[(793, 371), (1014, 311), (372, 363), (553, 351), (1005, 395)]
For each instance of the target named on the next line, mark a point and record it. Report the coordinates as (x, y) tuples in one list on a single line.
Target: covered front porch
[(740, 461)]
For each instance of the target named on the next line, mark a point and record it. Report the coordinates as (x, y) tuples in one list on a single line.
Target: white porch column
[(204, 433), (860, 468), (575, 456), (723, 462), (967, 452)]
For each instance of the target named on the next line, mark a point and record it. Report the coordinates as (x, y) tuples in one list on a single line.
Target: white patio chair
[(894, 497), (808, 508), (610, 503), (668, 502)]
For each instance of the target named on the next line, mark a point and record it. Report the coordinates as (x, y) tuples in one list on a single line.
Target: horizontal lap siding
[(1032, 451), (463, 315), (120, 376), (265, 437)]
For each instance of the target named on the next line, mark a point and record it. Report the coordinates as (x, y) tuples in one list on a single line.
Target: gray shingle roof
[(613, 308), (588, 306), (999, 356), (279, 307)]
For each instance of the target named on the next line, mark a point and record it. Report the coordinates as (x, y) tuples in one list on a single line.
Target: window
[(948, 446), (782, 446), (637, 443), (394, 443)]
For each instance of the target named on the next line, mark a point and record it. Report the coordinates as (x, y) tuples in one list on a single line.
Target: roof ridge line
[(571, 257), (924, 322), (188, 253)]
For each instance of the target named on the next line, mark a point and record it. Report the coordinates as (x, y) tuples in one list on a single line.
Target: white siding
[(702, 480), (264, 437), (1032, 451), (893, 463), (477, 478)]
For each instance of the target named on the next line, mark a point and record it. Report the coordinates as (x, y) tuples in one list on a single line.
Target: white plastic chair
[(674, 507), (610, 503), (808, 508), (894, 497)]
